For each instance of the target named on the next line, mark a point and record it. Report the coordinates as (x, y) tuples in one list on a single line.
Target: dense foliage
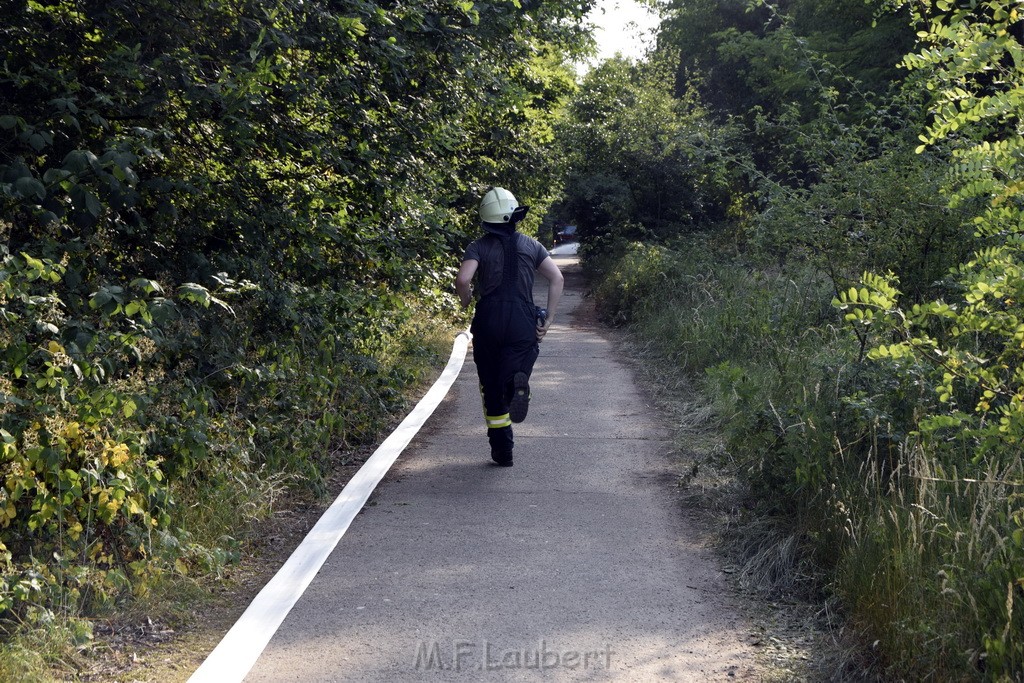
[(840, 268), (638, 158), (227, 229)]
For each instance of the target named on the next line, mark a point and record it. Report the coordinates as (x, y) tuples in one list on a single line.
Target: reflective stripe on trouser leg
[(494, 421), (498, 421)]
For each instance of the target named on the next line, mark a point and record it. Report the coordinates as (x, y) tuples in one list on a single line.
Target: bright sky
[(621, 26)]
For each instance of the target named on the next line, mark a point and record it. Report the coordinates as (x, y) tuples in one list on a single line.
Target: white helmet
[(497, 205)]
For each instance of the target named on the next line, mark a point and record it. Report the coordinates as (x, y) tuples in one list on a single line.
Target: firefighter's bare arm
[(555, 282), (463, 281)]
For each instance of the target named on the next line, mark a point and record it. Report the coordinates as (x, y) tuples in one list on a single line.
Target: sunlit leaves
[(970, 61), (875, 299)]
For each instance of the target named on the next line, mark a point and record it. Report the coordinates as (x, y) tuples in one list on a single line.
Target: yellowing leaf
[(134, 508)]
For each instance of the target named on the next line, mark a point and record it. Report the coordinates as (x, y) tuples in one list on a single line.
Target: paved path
[(575, 564)]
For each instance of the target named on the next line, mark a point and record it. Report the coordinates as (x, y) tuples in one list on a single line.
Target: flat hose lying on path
[(236, 654)]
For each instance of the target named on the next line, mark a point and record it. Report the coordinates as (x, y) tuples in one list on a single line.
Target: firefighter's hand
[(542, 330)]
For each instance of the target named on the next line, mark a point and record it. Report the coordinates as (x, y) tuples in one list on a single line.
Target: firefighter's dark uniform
[(505, 324)]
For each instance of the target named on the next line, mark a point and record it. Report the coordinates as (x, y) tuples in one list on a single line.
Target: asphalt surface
[(575, 564)]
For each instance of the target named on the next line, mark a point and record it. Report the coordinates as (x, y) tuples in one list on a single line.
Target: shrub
[(922, 540)]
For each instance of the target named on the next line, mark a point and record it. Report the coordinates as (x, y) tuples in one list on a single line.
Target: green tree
[(974, 339), (771, 66), (642, 164), (220, 221)]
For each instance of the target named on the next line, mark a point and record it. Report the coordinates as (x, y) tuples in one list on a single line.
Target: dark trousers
[(504, 343)]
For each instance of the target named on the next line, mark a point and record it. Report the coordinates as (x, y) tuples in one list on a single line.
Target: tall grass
[(933, 566), (921, 541)]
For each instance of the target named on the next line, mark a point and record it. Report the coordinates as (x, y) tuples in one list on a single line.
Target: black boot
[(502, 456), (520, 402)]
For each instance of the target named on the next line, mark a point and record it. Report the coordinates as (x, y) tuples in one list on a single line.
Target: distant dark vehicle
[(566, 234)]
